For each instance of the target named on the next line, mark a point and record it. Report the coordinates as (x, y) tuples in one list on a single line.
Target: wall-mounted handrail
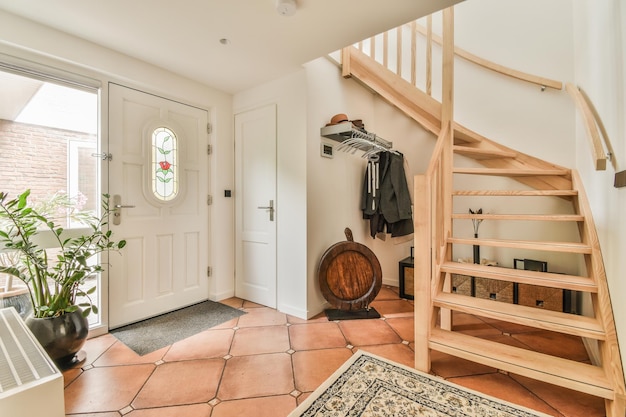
[(591, 126)]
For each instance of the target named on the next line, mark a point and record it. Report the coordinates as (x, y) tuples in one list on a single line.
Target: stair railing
[(430, 243)]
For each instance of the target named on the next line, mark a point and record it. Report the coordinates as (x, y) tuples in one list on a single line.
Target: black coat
[(388, 205)]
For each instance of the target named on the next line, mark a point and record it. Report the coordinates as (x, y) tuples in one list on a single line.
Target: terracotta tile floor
[(265, 363)]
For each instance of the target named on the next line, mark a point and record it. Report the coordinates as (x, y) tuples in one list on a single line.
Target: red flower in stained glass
[(165, 165)]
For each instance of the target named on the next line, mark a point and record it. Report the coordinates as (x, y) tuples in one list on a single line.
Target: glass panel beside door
[(48, 136)]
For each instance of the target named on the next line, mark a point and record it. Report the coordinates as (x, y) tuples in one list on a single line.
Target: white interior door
[(255, 177), (159, 173)]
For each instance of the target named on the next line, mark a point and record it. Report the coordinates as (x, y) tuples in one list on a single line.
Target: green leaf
[(22, 199)]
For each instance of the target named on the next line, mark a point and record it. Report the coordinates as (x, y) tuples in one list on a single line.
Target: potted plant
[(57, 283)]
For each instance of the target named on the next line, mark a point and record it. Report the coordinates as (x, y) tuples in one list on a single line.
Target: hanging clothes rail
[(353, 139)]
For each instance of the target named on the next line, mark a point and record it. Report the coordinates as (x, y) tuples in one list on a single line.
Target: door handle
[(117, 209), (270, 208)]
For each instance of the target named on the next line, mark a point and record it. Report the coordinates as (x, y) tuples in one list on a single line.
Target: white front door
[(159, 174), (256, 205)]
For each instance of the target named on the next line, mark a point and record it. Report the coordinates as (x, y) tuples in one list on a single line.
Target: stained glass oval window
[(164, 164)]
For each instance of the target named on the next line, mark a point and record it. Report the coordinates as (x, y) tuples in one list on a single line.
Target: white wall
[(533, 36), (600, 62), (24, 39), (289, 95)]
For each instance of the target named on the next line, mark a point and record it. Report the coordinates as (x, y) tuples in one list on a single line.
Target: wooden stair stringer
[(609, 349)]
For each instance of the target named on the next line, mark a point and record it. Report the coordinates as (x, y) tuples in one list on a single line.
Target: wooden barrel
[(349, 275)]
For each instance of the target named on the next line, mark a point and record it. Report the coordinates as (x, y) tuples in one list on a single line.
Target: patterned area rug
[(368, 385)]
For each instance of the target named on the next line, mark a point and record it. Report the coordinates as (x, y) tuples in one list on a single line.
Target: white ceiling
[(183, 35)]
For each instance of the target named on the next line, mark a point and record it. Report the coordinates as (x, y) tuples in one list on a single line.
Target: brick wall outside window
[(36, 157)]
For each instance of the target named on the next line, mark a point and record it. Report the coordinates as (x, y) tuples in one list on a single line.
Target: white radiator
[(30, 383)]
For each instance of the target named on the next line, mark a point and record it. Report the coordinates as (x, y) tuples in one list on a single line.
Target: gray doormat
[(153, 334)]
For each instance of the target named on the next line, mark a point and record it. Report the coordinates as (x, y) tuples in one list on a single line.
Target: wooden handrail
[(597, 150), (431, 38), (534, 79)]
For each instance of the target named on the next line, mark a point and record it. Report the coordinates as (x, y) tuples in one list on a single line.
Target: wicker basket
[(540, 297), (462, 284), (492, 289)]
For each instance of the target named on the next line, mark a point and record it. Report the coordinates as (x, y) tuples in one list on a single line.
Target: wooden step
[(521, 276), (510, 172), (568, 247), (480, 153), (516, 193), (578, 376), (539, 318), (531, 217)]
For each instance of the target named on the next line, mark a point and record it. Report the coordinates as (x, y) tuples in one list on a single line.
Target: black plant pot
[(61, 337)]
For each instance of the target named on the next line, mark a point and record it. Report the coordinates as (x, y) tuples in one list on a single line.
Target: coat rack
[(353, 139)]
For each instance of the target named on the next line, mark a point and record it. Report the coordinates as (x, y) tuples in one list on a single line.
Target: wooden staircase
[(436, 241), (603, 380)]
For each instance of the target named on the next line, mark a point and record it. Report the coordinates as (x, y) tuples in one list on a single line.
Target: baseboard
[(391, 282), (293, 311), (222, 295)]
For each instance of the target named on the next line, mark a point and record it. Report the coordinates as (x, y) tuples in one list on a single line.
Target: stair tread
[(563, 372), (522, 276), (555, 321), (511, 172), (570, 247), (534, 217), (480, 153), (507, 193), (464, 135)]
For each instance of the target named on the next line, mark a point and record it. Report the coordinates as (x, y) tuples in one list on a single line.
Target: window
[(164, 164), (48, 138)]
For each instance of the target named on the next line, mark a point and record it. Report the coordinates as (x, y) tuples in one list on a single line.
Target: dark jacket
[(388, 206)]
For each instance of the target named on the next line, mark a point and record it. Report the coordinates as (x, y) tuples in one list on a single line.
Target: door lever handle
[(117, 206), (270, 208)]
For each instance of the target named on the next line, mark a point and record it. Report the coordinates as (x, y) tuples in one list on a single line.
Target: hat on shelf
[(338, 118), (343, 118)]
